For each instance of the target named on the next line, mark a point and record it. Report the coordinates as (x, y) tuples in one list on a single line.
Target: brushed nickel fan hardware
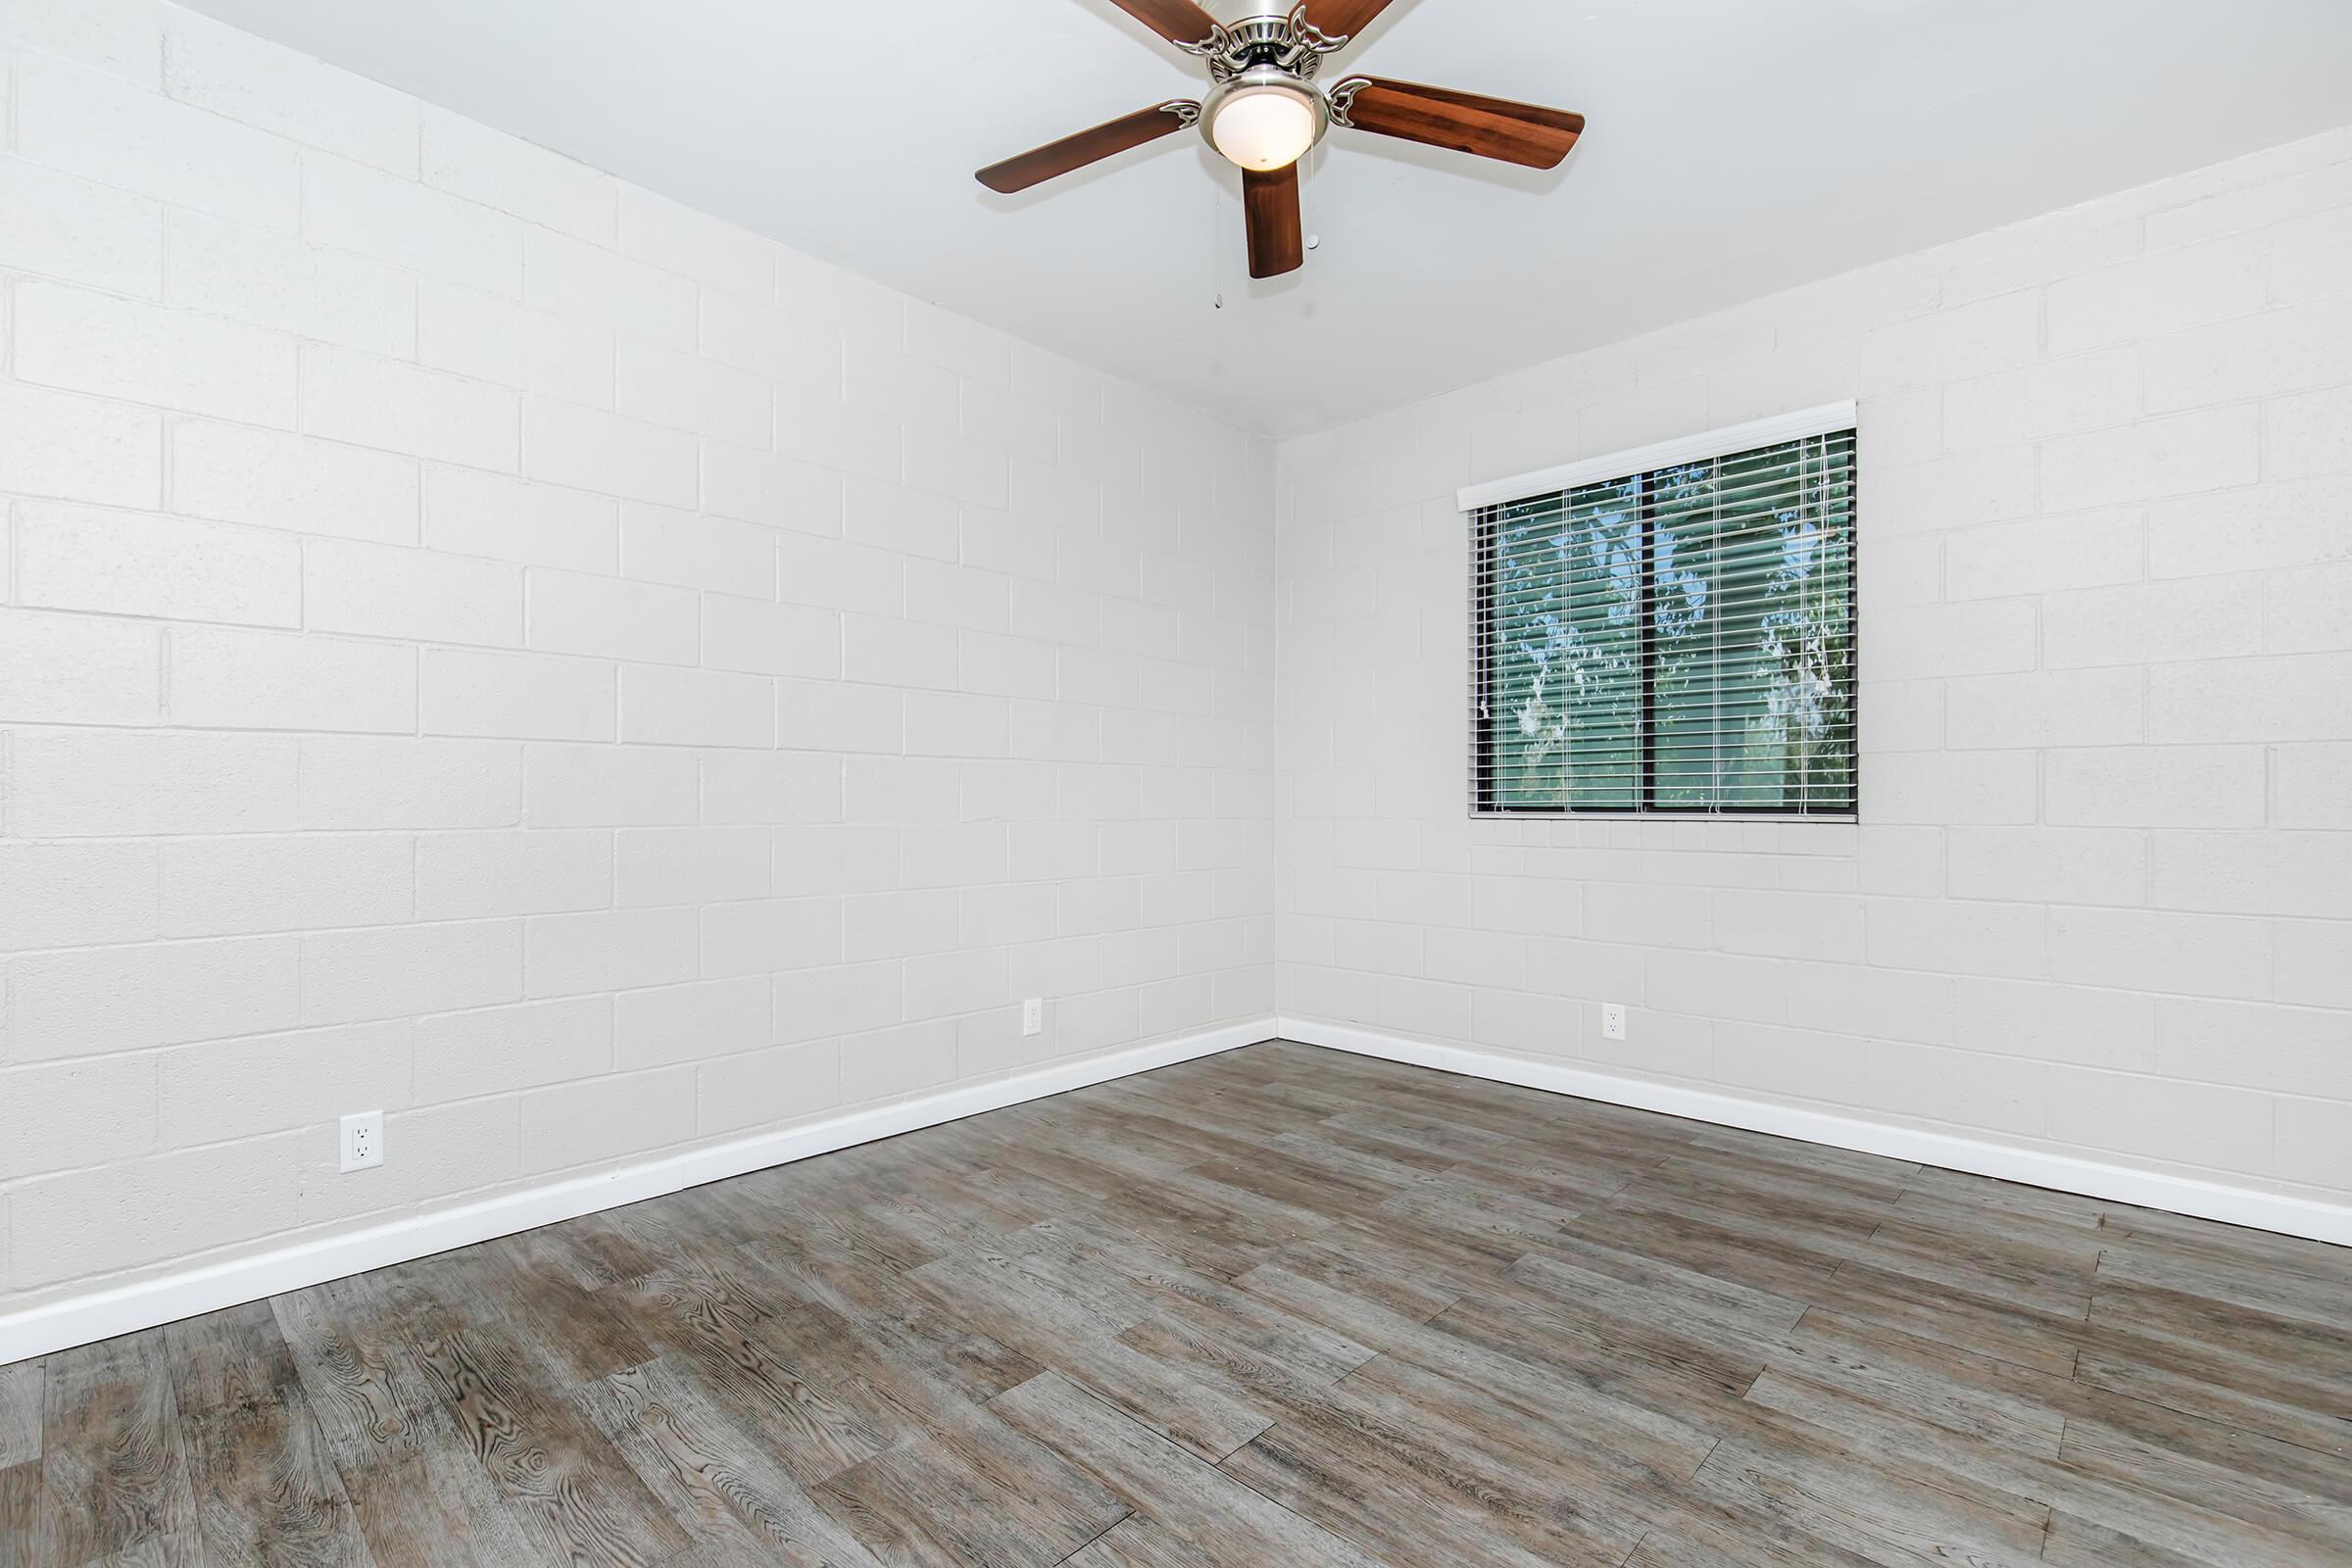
[(1264, 112), (1340, 96), (1212, 47), (1314, 37), (1292, 42)]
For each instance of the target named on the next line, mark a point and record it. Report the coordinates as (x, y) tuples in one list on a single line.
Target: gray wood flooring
[(1281, 1306)]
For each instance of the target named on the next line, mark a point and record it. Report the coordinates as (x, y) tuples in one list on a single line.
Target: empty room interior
[(1520, 782)]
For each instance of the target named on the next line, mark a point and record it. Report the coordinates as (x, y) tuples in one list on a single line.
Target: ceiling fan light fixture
[(1263, 113), (1264, 120)]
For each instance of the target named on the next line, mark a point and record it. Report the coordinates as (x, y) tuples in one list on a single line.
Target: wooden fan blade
[(1343, 19), (1089, 147), (1277, 243), (1177, 20), (1490, 127)]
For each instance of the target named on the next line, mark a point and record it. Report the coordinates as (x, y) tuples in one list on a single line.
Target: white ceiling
[(1736, 147)]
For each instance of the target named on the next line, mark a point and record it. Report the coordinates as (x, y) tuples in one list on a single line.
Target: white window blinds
[(1671, 631)]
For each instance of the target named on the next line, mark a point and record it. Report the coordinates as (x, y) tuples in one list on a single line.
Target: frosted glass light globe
[(1265, 128)]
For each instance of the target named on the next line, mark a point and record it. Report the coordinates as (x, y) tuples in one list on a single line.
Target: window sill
[(1784, 818)]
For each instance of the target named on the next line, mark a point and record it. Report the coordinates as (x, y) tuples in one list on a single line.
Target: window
[(1677, 637)]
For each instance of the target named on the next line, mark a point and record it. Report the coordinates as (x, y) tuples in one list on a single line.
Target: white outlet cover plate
[(363, 1139), (1612, 1020), (1033, 1016)]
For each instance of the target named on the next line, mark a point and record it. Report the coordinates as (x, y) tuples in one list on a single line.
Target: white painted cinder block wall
[(2100, 900), (483, 642)]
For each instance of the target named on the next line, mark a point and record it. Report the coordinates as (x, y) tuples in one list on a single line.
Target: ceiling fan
[(1264, 111)]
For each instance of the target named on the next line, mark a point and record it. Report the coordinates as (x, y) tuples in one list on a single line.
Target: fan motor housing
[(1257, 40), (1289, 42)]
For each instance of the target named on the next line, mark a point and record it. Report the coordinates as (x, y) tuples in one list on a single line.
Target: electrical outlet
[(1612, 1020), (363, 1139), (1033, 1016)]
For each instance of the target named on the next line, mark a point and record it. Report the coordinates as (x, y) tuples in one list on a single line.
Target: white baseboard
[(122, 1309), (166, 1298), (2065, 1173)]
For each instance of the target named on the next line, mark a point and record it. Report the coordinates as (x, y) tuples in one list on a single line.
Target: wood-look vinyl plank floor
[(1282, 1306)]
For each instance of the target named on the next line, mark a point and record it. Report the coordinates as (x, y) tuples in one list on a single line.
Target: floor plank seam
[(1126, 1512), (1370, 1548)]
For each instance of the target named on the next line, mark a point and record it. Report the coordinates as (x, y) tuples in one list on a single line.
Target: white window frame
[(1827, 418)]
